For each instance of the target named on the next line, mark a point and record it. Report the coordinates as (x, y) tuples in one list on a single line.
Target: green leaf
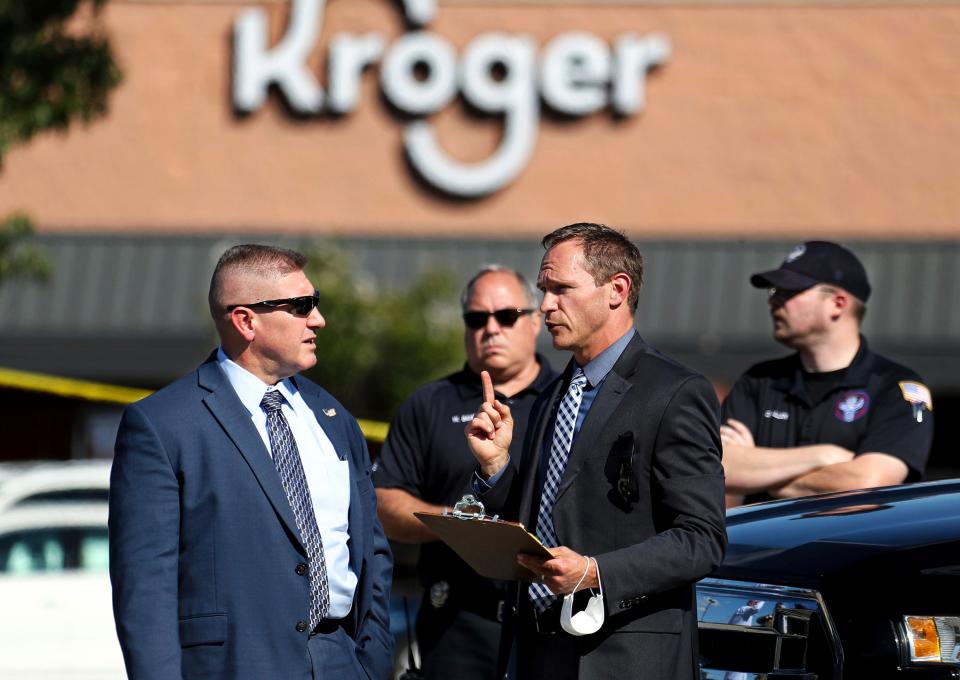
[(18, 256), (380, 345)]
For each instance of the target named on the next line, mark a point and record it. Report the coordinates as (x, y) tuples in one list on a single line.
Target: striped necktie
[(286, 457), (563, 431)]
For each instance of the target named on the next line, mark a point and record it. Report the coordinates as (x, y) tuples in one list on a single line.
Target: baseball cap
[(816, 262)]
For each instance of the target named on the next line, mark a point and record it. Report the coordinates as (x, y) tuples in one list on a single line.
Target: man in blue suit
[(244, 540)]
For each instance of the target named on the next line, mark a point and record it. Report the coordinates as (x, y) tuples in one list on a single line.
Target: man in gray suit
[(620, 477), (244, 540)]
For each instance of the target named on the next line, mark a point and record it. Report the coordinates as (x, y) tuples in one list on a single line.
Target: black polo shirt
[(875, 406), (426, 454)]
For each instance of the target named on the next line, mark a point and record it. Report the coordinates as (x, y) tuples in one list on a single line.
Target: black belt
[(488, 608), (327, 626), (484, 604)]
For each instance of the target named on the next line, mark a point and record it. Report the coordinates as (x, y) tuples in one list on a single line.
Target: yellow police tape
[(373, 430)]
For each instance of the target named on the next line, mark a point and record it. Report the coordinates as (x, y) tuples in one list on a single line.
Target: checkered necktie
[(286, 457), (540, 595)]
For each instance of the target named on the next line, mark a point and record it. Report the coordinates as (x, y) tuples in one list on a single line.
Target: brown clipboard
[(487, 544)]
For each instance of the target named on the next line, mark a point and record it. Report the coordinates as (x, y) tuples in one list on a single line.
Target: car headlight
[(933, 639)]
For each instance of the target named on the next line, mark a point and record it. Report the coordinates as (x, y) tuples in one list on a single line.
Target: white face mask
[(585, 622)]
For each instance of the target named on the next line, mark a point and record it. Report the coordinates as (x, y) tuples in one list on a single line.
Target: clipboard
[(487, 544)]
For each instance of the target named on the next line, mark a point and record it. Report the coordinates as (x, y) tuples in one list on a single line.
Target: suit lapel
[(330, 420), (612, 392), (606, 402), (229, 411), (532, 470), (332, 424)]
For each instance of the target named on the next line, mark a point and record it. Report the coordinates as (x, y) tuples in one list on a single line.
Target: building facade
[(420, 133)]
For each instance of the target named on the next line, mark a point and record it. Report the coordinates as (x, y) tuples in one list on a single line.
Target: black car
[(861, 585)]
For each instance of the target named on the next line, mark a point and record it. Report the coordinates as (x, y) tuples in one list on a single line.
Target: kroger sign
[(575, 73)]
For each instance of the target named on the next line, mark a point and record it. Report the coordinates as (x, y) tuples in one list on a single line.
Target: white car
[(57, 621), (74, 481)]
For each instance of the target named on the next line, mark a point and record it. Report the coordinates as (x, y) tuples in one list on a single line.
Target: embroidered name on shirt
[(776, 415), (462, 418)]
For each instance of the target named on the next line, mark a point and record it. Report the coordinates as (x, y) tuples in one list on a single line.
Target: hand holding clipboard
[(487, 544)]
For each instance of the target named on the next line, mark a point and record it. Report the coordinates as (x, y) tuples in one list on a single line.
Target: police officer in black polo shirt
[(833, 416), (425, 465)]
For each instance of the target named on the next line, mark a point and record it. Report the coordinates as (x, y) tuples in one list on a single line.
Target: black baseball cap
[(816, 262)]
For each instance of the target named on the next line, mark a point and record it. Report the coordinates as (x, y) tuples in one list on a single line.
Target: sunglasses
[(301, 306), (505, 317), (785, 294), (623, 450)]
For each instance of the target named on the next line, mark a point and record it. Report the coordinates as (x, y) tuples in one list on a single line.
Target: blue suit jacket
[(204, 547)]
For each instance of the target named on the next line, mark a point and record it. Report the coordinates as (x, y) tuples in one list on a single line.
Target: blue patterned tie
[(540, 595), (286, 457)]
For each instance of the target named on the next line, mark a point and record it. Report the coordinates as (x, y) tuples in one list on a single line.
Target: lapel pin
[(329, 412)]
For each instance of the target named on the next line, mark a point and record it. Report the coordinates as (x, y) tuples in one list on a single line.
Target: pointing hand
[(490, 432)]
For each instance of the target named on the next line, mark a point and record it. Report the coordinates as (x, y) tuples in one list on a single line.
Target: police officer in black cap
[(832, 416)]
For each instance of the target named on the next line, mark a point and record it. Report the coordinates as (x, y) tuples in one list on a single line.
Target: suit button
[(301, 626), (301, 569)]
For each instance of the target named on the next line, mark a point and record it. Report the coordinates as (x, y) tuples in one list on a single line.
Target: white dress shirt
[(328, 476)]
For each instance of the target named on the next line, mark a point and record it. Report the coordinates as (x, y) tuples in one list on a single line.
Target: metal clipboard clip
[(469, 507)]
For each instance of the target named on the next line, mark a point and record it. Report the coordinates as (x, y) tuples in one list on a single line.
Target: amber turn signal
[(924, 639)]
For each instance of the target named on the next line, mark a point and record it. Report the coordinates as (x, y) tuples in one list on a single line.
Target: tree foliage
[(54, 67), (380, 345), (18, 257)]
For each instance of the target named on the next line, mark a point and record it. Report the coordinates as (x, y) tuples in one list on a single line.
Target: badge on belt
[(439, 594)]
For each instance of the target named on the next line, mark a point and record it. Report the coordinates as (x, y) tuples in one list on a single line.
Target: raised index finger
[(487, 387)]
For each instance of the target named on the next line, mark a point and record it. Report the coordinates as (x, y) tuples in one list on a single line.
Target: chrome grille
[(758, 631)]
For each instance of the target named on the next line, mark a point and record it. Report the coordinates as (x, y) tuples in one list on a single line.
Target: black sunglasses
[(623, 449), (505, 317), (785, 294), (301, 306)]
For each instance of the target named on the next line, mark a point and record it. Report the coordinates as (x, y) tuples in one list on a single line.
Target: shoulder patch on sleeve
[(916, 393)]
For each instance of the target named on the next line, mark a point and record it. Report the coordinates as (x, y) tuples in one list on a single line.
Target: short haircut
[(859, 308), (607, 252), (529, 292), (265, 262)]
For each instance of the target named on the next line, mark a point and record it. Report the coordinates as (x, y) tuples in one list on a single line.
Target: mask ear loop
[(576, 587), (598, 576), (585, 570)]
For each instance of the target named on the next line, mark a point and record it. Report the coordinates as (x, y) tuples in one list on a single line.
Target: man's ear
[(841, 304), (620, 286), (242, 321)]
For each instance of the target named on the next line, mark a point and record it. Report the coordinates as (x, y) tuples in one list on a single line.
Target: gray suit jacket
[(651, 545)]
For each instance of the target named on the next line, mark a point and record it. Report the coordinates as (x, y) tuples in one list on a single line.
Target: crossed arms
[(801, 470)]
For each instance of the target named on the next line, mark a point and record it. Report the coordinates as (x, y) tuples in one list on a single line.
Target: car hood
[(803, 541)]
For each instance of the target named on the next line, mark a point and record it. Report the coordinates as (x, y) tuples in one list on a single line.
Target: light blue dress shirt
[(596, 372), (328, 476)]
